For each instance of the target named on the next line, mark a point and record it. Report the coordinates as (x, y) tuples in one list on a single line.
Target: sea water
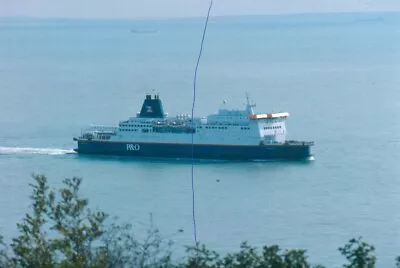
[(338, 75)]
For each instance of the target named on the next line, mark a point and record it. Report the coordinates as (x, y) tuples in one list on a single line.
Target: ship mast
[(249, 106)]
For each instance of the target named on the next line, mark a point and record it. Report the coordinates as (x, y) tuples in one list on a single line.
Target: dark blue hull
[(298, 150)]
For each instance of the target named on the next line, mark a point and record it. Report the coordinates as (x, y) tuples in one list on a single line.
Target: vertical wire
[(193, 126)]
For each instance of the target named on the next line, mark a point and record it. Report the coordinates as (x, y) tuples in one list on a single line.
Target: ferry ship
[(226, 135)]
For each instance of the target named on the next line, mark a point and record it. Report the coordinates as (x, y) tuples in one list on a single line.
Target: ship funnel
[(152, 107)]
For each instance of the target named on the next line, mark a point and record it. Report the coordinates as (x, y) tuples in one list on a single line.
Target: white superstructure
[(226, 127)]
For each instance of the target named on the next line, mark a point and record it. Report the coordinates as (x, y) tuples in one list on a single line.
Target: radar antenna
[(250, 106)]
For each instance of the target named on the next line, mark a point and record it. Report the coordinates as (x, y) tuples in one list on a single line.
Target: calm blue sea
[(338, 75)]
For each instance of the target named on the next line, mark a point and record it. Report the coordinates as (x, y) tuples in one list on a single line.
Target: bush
[(61, 231)]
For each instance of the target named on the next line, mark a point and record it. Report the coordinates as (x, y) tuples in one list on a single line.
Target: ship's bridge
[(228, 116)]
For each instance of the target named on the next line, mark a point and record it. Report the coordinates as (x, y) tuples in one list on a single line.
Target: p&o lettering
[(132, 147)]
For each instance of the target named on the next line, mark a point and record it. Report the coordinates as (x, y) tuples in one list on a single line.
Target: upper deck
[(227, 126)]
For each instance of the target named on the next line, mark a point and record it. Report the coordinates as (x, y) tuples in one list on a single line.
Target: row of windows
[(273, 127), (135, 125), (199, 127), (242, 128), (224, 128), (220, 126), (228, 124), (174, 130), (154, 129), (216, 127), (163, 130), (122, 129)]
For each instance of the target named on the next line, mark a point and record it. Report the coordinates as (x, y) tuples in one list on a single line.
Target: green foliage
[(76, 225), (31, 247), (4, 256), (270, 257), (200, 257), (61, 231), (359, 254), (398, 262), (121, 249)]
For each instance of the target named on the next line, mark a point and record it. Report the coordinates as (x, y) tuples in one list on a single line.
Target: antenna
[(249, 105)]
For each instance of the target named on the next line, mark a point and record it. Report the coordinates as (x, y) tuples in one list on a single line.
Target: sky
[(138, 9)]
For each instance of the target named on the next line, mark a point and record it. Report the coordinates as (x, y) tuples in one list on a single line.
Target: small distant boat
[(141, 31), (228, 134), (378, 19)]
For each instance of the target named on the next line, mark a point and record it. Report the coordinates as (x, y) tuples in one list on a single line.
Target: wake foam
[(28, 150)]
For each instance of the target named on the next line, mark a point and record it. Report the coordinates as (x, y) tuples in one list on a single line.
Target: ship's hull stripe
[(201, 151), (305, 143)]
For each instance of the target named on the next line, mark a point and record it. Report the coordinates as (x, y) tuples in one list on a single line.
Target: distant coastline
[(376, 15)]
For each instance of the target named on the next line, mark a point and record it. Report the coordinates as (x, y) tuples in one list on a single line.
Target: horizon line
[(196, 16)]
